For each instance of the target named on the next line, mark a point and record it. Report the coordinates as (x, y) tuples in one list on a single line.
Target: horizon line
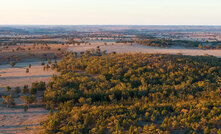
[(105, 25)]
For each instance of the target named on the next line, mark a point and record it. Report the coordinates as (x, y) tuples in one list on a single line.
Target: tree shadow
[(17, 126)]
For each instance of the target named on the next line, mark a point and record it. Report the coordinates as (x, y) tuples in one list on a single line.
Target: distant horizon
[(96, 25)]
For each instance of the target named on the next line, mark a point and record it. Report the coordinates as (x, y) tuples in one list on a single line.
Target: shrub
[(38, 86), (8, 88), (25, 89), (17, 90)]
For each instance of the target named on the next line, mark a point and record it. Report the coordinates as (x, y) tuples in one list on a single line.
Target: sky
[(110, 12)]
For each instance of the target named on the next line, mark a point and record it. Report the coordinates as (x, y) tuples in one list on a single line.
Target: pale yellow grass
[(18, 77), (15, 120), (135, 48)]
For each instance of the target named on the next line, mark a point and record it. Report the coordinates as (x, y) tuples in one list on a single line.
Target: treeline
[(135, 93), (35, 42), (166, 43), (26, 94)]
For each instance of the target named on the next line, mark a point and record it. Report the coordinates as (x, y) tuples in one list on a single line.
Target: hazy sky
[(103, 12)]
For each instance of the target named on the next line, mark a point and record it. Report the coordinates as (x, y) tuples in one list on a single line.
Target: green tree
[(27, 70), (25, 89), (12, 63), (17, 90), (8, 88), (25, 108), (29, 99), (8, 100)]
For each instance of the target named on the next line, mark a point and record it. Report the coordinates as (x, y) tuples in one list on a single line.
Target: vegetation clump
[(135, 93)]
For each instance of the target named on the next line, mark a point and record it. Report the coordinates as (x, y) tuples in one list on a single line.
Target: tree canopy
[(135, 93)]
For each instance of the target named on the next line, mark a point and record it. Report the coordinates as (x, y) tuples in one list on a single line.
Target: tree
[(42, 63), (8, 100), (98, 50), (39, 86), (29, 99), (27, 70), (12, 63), (25, 108), (25, 89), (47, 66), (17, 90), (131, 130), (55, 61), (49, 61), (200, 46), (33, 91), (8, 88)]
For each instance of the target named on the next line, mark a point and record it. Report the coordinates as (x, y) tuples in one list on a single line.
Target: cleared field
[(15, 120), (135, 48), (17, 75), (24, 52)]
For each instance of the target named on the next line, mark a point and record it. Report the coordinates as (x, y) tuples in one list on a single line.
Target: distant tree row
[(166, 43)]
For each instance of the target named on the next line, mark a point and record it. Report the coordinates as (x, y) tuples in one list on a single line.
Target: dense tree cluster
[(166, 43), (135, 93), (169, 43)]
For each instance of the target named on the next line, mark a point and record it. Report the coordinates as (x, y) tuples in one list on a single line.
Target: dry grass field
[(31, 52), (15, 120), (135, 48)]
